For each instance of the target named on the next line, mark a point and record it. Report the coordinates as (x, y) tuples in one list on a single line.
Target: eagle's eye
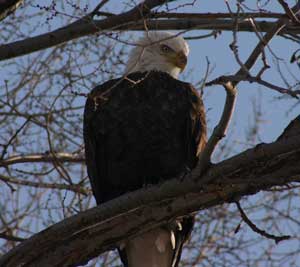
[(166, 49)]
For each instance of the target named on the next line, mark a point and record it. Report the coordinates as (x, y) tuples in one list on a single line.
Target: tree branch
[(77, 29), (126, 21), (219, 131), (256, 79), (42, 157), (86, 235), (254, 228), (243, 74), (11, 237), (289, 11), (218, 15), (231, 91), (8, 6), (58, 186)]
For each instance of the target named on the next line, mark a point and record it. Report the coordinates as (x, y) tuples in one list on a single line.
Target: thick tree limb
[(86, 235), (134, 22), (78, 29), (8, 6), (210, 24)]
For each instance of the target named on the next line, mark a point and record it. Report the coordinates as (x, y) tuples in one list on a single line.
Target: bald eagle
[(143, 128)]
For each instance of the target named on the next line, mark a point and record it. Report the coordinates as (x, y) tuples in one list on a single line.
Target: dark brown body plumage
[(141, 130)]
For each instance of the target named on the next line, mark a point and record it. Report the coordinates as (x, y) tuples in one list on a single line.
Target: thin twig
[(243, 15), (71, 187), (99, 6), (3, 235), (231, 90), (42, 157), (260, 46), (254, 228), (13, 137), (257, 79)]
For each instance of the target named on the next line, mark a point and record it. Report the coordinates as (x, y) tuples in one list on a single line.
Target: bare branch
[(244, 15), (245, 218), (71, 187), (77, 29), (244, 75), (11, 237), (12, 138), (219, 131), (8, 6), (84, 236), (251, 79), (280, 24), (127, 21), (43, 157), (288, 11), (42, 168), (230, 86)]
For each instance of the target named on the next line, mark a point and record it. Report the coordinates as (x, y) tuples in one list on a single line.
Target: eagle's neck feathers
[(141, 60)]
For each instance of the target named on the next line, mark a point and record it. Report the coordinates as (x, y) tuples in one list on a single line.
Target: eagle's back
[(141, 130)]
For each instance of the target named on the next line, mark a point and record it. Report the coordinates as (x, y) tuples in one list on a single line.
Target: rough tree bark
[(77, 239)]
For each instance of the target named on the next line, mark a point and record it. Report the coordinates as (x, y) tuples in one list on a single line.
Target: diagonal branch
[(231, 91), (77, 29), (289, 11), (9, 237), (244, 72), (254, 228), (280, 24), (219, 131), (77, 239), (8, 6)]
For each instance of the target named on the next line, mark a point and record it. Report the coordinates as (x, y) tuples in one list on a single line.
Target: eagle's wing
[(94, 139), (140, 130)]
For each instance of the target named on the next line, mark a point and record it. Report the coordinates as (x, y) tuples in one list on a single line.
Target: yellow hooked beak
[(179, 60)]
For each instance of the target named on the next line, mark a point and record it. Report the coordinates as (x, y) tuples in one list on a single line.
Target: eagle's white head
[(161, 51)]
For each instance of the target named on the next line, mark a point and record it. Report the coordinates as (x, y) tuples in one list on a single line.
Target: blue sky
[(275, 113)]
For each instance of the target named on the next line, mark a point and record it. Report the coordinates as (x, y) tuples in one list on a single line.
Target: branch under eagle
[(90, 233)]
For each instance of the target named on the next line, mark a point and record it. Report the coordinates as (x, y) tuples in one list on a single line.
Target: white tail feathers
[(151, 249)]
